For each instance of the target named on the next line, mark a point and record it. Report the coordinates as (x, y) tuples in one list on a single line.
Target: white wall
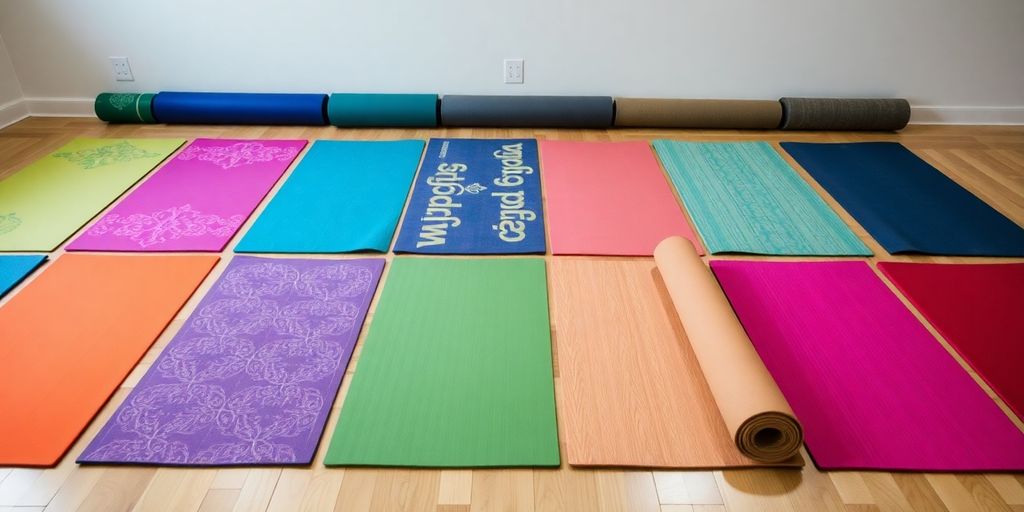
[(10, 90), (943, 53)]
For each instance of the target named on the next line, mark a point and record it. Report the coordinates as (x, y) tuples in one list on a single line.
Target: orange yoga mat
[(608, 198), (655, 369), (70, 337)]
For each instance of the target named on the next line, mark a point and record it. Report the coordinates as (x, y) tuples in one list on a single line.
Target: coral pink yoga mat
[(979, 309), (871, 386), (195, 202), (609, 198)]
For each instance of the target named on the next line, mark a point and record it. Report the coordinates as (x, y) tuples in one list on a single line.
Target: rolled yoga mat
[(382, 110), (114, 107), (636, 390), (456, 370), (197, 201), (872, 387), (527, 111), (889, 114), (262, 357), (58, 374), (46, 202), (979, 309), (905, 203), (15, 268), (672, 113), (240, 108)]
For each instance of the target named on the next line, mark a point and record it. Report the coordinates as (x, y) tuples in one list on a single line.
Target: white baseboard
[(15, 111)]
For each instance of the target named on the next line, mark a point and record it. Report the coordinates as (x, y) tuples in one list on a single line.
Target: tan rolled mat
[(669, 113), (654, 369)]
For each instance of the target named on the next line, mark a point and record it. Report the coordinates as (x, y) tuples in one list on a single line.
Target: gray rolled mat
[(888, 114), (669, 113), (527, 111)]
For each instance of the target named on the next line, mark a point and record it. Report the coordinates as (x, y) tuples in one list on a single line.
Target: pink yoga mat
[(195, 202), (608, 198), (871, 386)]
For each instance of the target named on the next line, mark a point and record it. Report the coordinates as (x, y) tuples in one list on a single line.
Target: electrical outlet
[(513, 71), (122, 71)]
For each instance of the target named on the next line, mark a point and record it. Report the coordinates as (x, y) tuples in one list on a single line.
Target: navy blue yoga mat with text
[(240, 108), (905, 203), (475, 196)]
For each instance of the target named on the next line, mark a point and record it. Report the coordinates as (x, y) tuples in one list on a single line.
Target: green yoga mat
[(115, 107), (744, 198), (379, 110), (46, 202), (455, 370)]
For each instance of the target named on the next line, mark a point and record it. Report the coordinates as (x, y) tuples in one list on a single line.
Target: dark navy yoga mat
[(475, 196), (240, 108), (905, 203)]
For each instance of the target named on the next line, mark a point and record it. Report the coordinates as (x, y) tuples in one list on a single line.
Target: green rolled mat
[(116, 107), (380, 110)]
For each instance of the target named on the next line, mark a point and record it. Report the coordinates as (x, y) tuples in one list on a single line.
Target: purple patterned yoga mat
[(253, 373)]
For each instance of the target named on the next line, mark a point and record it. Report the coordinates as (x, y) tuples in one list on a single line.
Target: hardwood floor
[(989, 161)]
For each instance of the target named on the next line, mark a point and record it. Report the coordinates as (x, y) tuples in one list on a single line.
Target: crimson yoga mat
[(251, 376), (905, 203), (609, 198), (979, 309), (871, 386), (197, 201)]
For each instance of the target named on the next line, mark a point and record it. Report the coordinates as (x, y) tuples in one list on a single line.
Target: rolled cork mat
[(723, 114), (845, 114)]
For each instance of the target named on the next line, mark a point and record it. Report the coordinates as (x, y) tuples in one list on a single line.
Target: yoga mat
[(252, 375), (722, 114), (744, 198), (13, 269), (72, 335), (343, 196), (652, 368), (475, 196), (376, 110), (979, 310), (527, 111), (905, 203), (46, 202), (114, 107), (240, 108), (871, 386), (197, 201), (608, 198), (842, 114), (456, 370)]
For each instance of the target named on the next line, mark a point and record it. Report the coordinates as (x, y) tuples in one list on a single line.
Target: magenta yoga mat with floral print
[(195, 202), (251, 377)]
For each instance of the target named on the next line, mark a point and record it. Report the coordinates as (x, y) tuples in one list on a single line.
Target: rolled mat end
[(115, 107), (844, 114)]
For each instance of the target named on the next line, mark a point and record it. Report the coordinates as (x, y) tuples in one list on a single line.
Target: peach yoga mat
[(72, 335), (608, 198), (656, 371)]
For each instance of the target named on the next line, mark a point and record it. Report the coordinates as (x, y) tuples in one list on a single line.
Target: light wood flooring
[(989, 161)]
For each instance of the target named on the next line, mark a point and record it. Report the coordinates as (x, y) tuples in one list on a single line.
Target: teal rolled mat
[(116, 107), (382, 110)]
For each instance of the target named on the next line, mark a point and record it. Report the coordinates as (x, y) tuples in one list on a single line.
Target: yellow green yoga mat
[(46, 202), (455, 370), (744, 198)]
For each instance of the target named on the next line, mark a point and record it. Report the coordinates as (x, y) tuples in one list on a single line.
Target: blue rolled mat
[(240, 108), (348, 109), (528, 111), (905, 203), (15, 268), (344, 196)]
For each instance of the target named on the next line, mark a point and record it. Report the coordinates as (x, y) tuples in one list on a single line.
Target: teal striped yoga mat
[(344, 196), (744, 198)]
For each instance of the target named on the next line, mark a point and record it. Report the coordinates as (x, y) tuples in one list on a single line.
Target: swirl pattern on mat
[(238, 154), (123, 151), (168, 224)]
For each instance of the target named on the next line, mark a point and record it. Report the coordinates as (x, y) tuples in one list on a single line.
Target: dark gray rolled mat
[(527, 111), (881, 114), (674, 113)]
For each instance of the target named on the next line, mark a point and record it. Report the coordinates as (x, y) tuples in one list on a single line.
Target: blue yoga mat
[(344, 196), (475, 196), (905, 203), (15, 268), (240, 108)]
